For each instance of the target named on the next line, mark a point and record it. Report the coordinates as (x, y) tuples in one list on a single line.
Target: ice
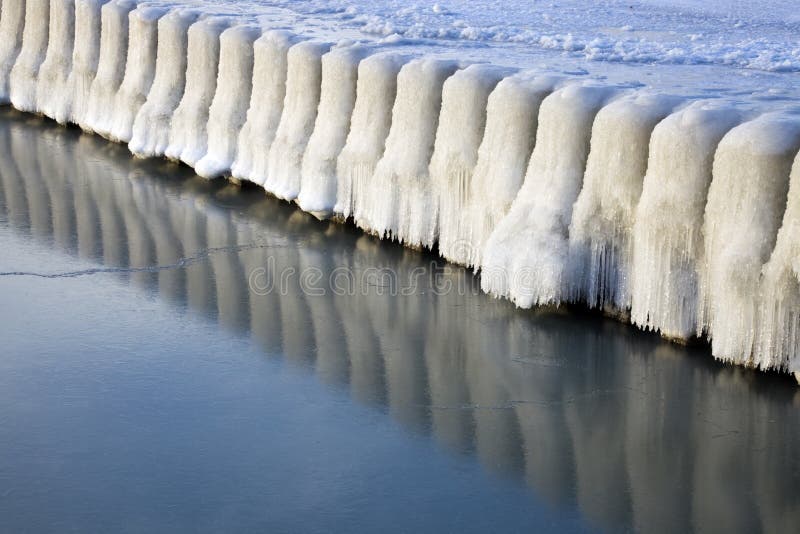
[(668, 239), (376, 90), (303, 86), (85, 59), (318, 180), (512, 118), (600, 235), (140, 69), (228, 110), (23, 78), (52, 82), (12, 25), (778, 329), (746, 202), (462, 122), (187, 134), (405, 210), (526, 257), (266, 106), (114, 25), (152, 124)]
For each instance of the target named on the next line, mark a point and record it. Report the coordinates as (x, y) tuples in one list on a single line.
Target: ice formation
[(746, 201), (187, 132), (52, 83), (114, 26), (85, 60), (526, 257), (23, 78), (318, 183), (462, 121), (12, 25), (152, 124), (372, 118), (303, 86), (683, 214), (140, 69), (512, 117), (600, 244), (778, 323), (405, 208), (667, 237), (266, 105), (228, 110)]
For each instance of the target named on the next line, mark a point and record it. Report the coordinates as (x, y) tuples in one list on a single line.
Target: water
[(152, 380)]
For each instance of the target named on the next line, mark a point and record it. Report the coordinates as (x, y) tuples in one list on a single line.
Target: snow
[(640, 157)]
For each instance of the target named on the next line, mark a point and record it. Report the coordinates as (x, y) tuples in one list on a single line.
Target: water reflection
[(636, 433)]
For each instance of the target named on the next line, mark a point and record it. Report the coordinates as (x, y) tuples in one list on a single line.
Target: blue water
[(175, 358)]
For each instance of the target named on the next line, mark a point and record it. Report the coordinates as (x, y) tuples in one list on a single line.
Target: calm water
[(173, 357)]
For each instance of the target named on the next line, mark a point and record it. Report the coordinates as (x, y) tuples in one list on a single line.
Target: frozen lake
[(175, 358)]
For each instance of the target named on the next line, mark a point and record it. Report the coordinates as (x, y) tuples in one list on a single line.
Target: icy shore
[(677, 212)]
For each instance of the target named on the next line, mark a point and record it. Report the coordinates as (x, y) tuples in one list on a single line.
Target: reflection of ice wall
[(558, 191)]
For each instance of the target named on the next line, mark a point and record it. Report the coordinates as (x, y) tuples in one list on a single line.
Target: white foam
[(318, 181), (52, 88), (114, 26), (229, 108), (140, 69), (600, 243), (12, 25), (23, 79), (150, 134), (405, 210), (462, 122), (376, 90), (303, 85), (188, 138), (667, 236), (266, 106), (525, 258), (85, 59), (746, 201)]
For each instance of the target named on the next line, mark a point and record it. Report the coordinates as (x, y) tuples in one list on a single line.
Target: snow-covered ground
[(638, 157)]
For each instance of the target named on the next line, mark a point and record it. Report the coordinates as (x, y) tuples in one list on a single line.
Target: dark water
[(173, 358)]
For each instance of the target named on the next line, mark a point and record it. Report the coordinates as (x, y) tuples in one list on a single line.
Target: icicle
[(318, 181), (85, 60), (229, 108), (114, 26), (602, 223), (22, 82), (52, 90), (667, 241), (188, 139), (151, 127), (462, 122), (140, 69), (525, 258), (405, 208), (266, 106), (746, 201), (12, 25), (303, 85), (372, 117), (778, 344)]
